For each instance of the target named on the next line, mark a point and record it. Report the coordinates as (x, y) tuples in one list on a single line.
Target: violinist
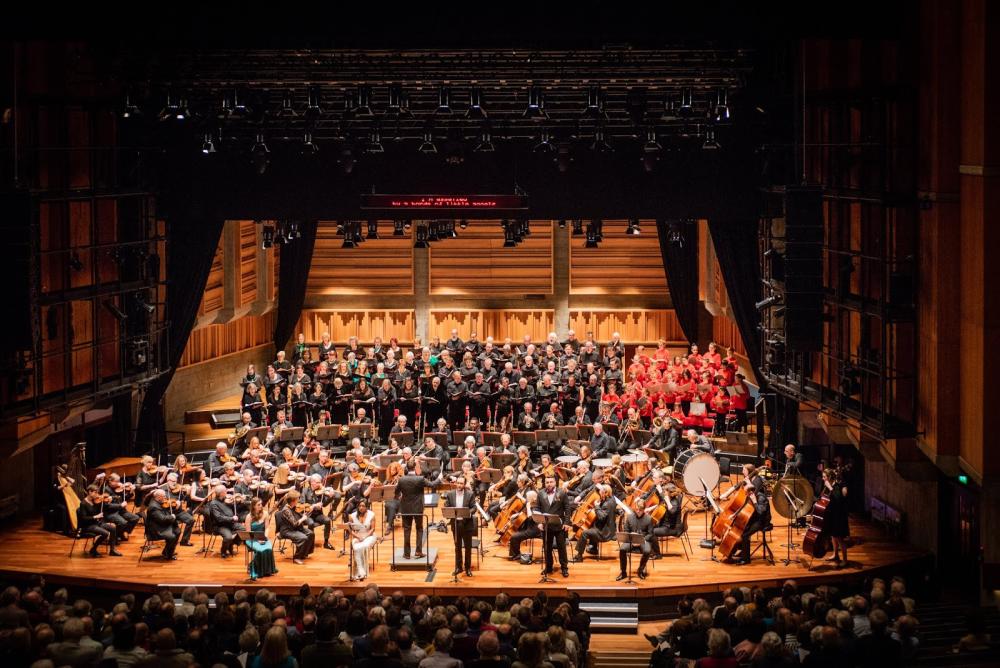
[(615, 475), (224, 519), (356, 486), (529, 527), (150, 476), (586, 454), (182, 468), (217, 460), (251, 486), (523, 463), (390, 507), (318, 497), (603, 527), (161, 524), (177, 496), (198, 492), (325, 465), (292, 524), (115, 511), (546, 466), (92, 521), (254, 465), (229, 477)]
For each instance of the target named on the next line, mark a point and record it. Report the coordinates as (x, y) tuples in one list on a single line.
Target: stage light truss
[(616, 94)]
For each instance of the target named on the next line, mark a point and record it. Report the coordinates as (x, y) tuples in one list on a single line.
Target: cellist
[(761, 511), (603, 527)]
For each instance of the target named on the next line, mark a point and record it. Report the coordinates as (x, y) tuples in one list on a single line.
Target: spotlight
[(293, 230), (651, 145), (710, 143), (375, 141), (428, 147), (397, 228), (598, 228), (407, 224), (485, 144), (175, 108), (592, 239), (577, 228), (356, 232), (721, 105), (451, 229), (463, 224), (421, 239), (600, 143), (373, 229), (767, 302), (141, 301), (309, 147), (267, 237), (669, 110), (633, 227), (399, 104), (562, 224), (444, 101), (240, 108), (433, 231), (476, 104), (313, 102), (687, 101), (286, 106), (544, 144), (75, 263), (260, 154), (595, 104), (363, 107), (207, 145), (340, 228), (536, 104), (129, 108)]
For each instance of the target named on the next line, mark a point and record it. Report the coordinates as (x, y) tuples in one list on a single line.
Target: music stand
[(501, 459), (642, 436), (291, 434), (547, 519), (248, 536), (439, 437), (628, 541), (491, 439), (364, 431), (611, 429), (452, 513), (547, 435), (490, 476), (404, 439), (458, 437), (524, 438), (457, 462), (328, 432), (716, 511), (382, 493), (567, 432), (584, 431)]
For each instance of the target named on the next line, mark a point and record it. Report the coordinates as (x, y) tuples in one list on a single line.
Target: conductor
[(410, 490)]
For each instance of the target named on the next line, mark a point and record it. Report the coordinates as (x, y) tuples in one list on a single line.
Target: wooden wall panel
[(726, 333), (377, 266), (621, 265), (366, 325), (212, 298), (82, 355), (248, 263), (499, 323), (106, 229), (635, 326), (476, 263), (214, 341)]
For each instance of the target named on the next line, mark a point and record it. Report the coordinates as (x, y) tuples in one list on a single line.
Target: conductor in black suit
[(462, 529), (553, 501), (410, 490)]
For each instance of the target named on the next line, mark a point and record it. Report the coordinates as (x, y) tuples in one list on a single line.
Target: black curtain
[(296, 258), (192, 237), (680, 264), (735, 244)]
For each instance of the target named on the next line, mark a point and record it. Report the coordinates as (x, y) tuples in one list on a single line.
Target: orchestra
[(559, 442)]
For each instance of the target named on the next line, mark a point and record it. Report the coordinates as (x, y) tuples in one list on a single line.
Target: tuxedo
[(463, 529), (559, 505)]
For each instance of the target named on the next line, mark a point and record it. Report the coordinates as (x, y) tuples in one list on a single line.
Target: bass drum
[(694, 470)]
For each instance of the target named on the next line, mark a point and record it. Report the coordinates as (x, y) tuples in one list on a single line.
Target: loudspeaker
[(803, 268)]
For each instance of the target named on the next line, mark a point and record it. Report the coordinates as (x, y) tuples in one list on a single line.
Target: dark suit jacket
[(466, 526), (605, 520), (601, 445), (794, 465), (159, 521), (410, 492), (221, 514), (560, 505)]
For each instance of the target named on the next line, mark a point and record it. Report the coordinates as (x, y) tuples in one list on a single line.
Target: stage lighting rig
[(375, 141), (267, 237), (768, 302), (444, 101), (421, 237), (314, 108), (544, 144), (485, 144), (722, 106), (363, 103), (129, 108), (260, 154), (397, 228), (595, 104), (577, 228), (207, 145), (373, 229), (476, 109), (536, 104), (600, 143), (287, 111), (399, 103), (428, 147), (140, 299), (710, 143)]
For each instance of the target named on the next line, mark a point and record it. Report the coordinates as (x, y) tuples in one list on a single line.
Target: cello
[(585, 514)]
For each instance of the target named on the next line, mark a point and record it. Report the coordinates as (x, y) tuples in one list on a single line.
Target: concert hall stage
[(28, 549)]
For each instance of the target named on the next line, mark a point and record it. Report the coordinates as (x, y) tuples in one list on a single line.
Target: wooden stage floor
[(28, 549)]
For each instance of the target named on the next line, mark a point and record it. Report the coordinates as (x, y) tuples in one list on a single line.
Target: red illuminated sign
[(444, 203)]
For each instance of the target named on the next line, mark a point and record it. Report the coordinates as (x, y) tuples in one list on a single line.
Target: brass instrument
[(658, 422), (630, 427), (239, 431)]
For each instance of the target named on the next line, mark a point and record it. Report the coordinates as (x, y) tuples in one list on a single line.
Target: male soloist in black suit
[(462, 529), (553, 501)]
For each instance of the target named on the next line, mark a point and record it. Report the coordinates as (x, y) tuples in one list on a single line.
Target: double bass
[(728, 527), (816, 543)]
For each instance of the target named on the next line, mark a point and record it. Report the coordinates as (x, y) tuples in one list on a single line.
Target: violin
[(170, 503)]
